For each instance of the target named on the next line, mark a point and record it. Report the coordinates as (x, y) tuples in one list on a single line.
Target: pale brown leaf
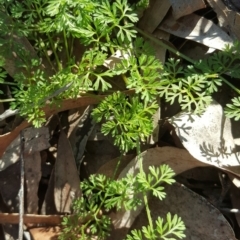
[(67, 183), (198, 29), (185, 7)]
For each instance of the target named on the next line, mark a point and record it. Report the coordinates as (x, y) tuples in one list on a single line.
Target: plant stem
[(50, 40), (9, 83), (162, 44), (145, 197), (116, 168), (230, 85), (8, 100), (66, 44), (112, 52)]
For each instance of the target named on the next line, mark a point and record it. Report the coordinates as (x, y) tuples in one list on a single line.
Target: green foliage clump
[(103, 27), (102, 195)]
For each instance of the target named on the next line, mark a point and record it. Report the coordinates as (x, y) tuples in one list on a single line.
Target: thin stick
[(21, 191), (13, 218)]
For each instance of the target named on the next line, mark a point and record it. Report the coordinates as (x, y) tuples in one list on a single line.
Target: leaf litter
[(191, 145)]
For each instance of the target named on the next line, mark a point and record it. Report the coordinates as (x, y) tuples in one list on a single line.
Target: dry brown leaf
[(9, 186), (45, 233), (67, 104), (185, 7), (32, 165), (208, 137), (198, 29), (153, 15), (36, 139), (98, 153), (67, 183), (195, 51), (81, 130), (202, 220), (31, 218), (73, 117), (227, 18), (178, 159), (48, 206)]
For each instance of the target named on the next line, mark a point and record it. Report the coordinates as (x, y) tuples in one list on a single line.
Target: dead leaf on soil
[(178, 159), (235, 196), (185, 7), (227, 19), (67, 104), (204, 221), (202, 213), (32, 165), (198, 29), (208, 137), (108, 168), (48, 206), (36, 139), (46, 233), (80, 131), (153, 15), (9, 186), (67, 183)]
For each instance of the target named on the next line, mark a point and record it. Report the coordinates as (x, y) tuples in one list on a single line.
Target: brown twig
[(13, 218)]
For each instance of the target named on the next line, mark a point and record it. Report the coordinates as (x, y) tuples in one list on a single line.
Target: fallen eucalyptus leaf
[(202, 220), (198, 29), (185, 7), (208, 136), (36, 140), (178, 159), (66, 179)]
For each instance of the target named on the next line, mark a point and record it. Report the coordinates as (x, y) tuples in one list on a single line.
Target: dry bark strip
[(13, 218)]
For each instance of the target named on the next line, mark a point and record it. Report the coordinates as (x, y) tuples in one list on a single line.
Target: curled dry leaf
[(185, 7), (227, 18), (154, 15), (198, 29)]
